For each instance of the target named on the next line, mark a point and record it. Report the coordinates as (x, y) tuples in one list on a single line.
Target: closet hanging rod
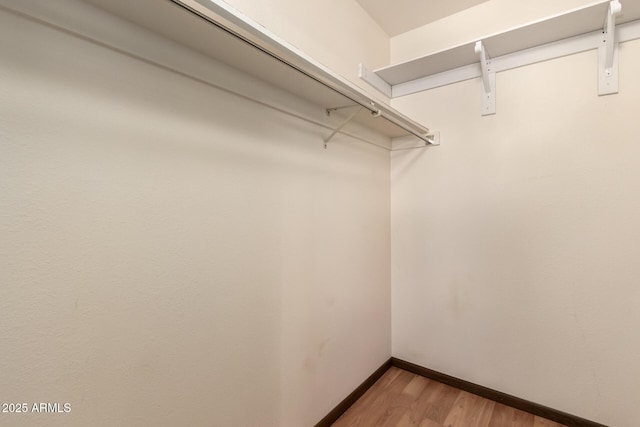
[(246, 30)]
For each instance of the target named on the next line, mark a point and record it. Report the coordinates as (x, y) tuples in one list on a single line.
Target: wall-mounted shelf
[(214, 28), (577, 30)]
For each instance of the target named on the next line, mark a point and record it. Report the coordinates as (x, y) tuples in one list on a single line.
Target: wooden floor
[(402, 399)]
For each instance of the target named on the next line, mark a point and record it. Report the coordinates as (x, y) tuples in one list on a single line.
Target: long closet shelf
[(580, 21), (214, 28)]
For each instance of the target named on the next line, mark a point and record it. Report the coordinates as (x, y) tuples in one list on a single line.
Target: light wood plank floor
[(402, 399)]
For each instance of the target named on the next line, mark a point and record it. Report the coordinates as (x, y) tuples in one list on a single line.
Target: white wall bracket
[(608, 53), (488, 95), (374, 80), (434, 138)]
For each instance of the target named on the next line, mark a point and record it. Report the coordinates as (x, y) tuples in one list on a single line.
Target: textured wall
[(172, 254), (515, 243)]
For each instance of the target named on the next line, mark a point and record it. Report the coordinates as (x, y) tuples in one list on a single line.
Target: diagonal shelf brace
[(343, 124), (488, 81), (608, 53)]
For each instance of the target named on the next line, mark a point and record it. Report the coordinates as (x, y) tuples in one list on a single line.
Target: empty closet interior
[(233, 213)]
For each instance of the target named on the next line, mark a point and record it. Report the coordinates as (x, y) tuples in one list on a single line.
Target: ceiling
[(399, 16)]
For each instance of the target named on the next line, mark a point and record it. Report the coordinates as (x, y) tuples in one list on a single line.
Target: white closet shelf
[(214, 28), (573, 23), (570, 32)]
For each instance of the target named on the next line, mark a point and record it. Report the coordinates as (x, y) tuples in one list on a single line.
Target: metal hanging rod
[(224, 17), (62, 26), (63, 22)]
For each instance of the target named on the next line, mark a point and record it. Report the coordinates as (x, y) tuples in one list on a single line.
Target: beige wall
[(515, 243), (172, 254)]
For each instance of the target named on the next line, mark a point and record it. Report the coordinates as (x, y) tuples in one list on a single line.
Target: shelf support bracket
[(343, 124), (488, 81), (375, 81), (608, 53)]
